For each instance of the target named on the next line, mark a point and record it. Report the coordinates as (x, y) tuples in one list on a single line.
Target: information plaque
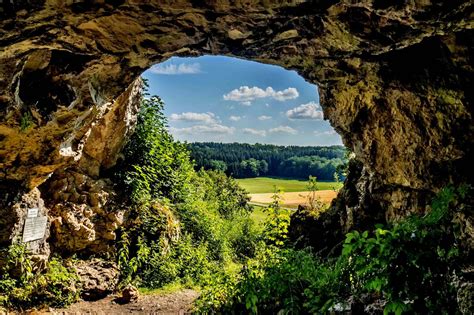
[(34, 228), (32, 213)]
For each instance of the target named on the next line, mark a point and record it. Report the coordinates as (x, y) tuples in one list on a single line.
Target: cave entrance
[(259, 123), (396, 81), (252, 121)]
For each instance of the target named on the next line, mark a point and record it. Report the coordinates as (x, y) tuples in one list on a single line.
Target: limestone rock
[(13, 213), (129, 294), (98, 278), (286, 35), (84, 213), (235, 34), (465, 293), (109, 134)]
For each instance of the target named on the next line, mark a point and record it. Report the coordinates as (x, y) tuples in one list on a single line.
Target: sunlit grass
[(258, 215), (166, 289), (258, 185)]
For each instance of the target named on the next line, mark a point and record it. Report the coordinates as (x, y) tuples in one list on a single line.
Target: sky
[(223, 99)]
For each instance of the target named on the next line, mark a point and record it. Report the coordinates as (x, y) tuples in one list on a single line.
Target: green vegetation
[(278, 221), (314, 204), (26, 121), (23, 284), (410, 265), (186, 225), (258, 215), (243, 160), (155, 165), (200, 232), (166, 289), (265, 184)]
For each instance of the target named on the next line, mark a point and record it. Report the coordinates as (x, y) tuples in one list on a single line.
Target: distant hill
[(243, 160)]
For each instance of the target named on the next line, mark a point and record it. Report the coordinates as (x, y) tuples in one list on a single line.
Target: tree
[(155, 166), (262, 167), (218, 165)]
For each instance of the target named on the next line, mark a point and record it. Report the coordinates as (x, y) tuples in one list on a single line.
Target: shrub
[(245, 236), (276, 280), (184, 225), (409, 264), (22, 285), (154, 166), (278, 222), (409, 267), (148, 239)]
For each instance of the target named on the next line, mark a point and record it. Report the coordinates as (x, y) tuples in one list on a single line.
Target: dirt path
[(293, 199), (173, 303)]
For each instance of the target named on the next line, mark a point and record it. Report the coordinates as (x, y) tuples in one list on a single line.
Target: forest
[(243, 160)]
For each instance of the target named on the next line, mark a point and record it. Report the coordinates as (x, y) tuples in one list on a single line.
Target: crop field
[(295, 192), (293, 199)]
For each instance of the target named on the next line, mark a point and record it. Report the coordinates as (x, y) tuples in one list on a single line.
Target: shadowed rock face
[(395, 81)]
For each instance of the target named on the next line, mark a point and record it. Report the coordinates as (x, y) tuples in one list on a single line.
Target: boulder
[(97, 277)]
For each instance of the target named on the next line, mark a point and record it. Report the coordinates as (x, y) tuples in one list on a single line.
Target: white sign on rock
[(32, 213), (34, 228)]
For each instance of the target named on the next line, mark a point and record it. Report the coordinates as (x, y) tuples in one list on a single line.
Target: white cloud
[(212, 129), (309, 111), (246, 103), (287, 94), (284, 129), (235, 118), (263, 117), (256, 132), (173, 69), (209, 118), (245, 94), (325, 133)]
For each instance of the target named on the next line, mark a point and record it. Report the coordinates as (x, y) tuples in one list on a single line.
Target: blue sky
[(222, 99)]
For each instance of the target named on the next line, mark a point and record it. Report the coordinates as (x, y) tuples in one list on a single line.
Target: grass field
[(260, 185)]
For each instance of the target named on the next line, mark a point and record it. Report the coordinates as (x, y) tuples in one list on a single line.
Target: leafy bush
[(408, 267), (229, 198), (153, 229), (216, 291), (409, 264), (185, 225), (276, 227), (155, 166), (275, 280), (245, 236), (22, 285)]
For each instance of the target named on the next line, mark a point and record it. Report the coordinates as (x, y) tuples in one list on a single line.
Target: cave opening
[(233, 113), (395, 82), (242, 98)]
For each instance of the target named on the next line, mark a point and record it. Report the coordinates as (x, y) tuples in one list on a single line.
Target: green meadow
[(259, 185)]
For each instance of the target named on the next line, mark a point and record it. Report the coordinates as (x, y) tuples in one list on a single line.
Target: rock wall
[(395, 80)]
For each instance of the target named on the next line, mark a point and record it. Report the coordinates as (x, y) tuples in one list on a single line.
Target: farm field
[(258, 185), (295, 191), (293, 199)]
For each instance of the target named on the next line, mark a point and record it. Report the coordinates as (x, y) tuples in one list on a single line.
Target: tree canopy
[(242, 160)]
